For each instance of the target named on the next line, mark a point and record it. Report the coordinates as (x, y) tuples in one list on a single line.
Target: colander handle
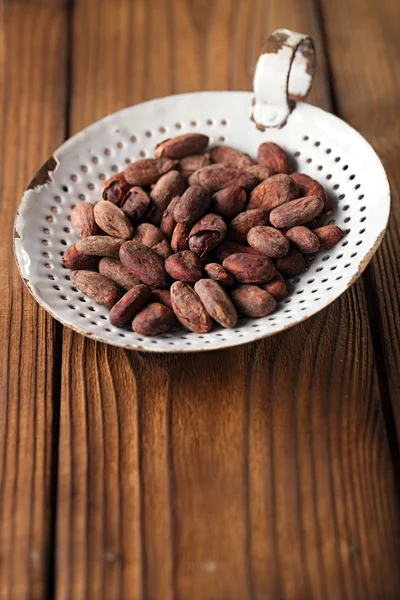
[(283, 75)]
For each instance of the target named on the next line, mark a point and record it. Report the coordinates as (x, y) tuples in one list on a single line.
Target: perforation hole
[(91, 186), (65, 188), (46, 231), (142, 153), (148, 133), (74, 178), (120, 145), (352, 177), (45, 242), (114, 168), (102, 177), (134, 138), (337, 159), (128, 161), (306, 138), (95, 160), (82, 197), (347, 219), (223, 122), (309, 160), (57, 199), (209, 122), (320, 167), (297, 154), (329, 176), (161, 130), (362, 208), (361, 196), (317, 144), (193, 123), (345, 167), (328, 150), (49, 219), (107, 151), (178, 125), (221, 138)]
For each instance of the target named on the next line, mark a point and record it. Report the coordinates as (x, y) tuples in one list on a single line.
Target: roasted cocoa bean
[(273, 156), (240, 226), (189, 309), (273, 192), (145, 264), (268, 241), (296, 212), (291, 264), (219, 274), (152, 237), (249, 269), (129, 305), (182, 145), (153, 319), (194, 202), (184, 266), (216, 302), (148, 170), (98, 287), (114, 269), (252, 301), (229, 201), (305, 240), (207, 234)]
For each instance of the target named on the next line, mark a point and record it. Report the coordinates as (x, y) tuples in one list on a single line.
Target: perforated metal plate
[(324, 146)]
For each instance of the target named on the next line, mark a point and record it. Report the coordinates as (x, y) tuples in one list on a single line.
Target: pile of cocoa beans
[(197, 236)]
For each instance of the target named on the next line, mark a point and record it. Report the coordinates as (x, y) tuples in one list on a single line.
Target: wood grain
[(32, 105), (258, 472), (368, 95)]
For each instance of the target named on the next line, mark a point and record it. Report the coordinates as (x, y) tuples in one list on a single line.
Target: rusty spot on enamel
[(42, 176), (363, 264), (275, 42)]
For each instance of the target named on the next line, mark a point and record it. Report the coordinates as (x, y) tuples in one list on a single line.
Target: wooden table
[(265, 472)]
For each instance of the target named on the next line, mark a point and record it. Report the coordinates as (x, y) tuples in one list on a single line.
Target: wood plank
[(368, 93), (258, 472), (32, 106)]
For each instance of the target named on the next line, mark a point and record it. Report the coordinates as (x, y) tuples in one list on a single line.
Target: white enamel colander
[(324, 146)]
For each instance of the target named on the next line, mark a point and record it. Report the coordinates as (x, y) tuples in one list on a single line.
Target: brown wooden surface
[(263, 472)]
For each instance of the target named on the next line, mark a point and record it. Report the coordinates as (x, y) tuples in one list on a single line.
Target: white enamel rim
[(330, 150)]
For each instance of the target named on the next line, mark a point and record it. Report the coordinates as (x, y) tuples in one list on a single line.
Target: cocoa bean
[(273, 156), (192, 163), (273, 192), (252, 301), (99, 245), (305, 240), (206, 234), (144, 263), (180, 237), (230, 157), (296, 212), (128, 305), (167, 187), (153, 319), (184, 266), (229, 201), (148, 170), (268, 241), (291, 264), (83, 221), (152, 237), (168, 222), (310, 187), (114, 269), (75, 260), (328, 236), (249, 269), (216, 302), (219, 274), (189, 309), (240, 226), (136, 203), (276, 286), (112, 220), (115, 188), (194, 202), (182, 145), (98, 287)]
